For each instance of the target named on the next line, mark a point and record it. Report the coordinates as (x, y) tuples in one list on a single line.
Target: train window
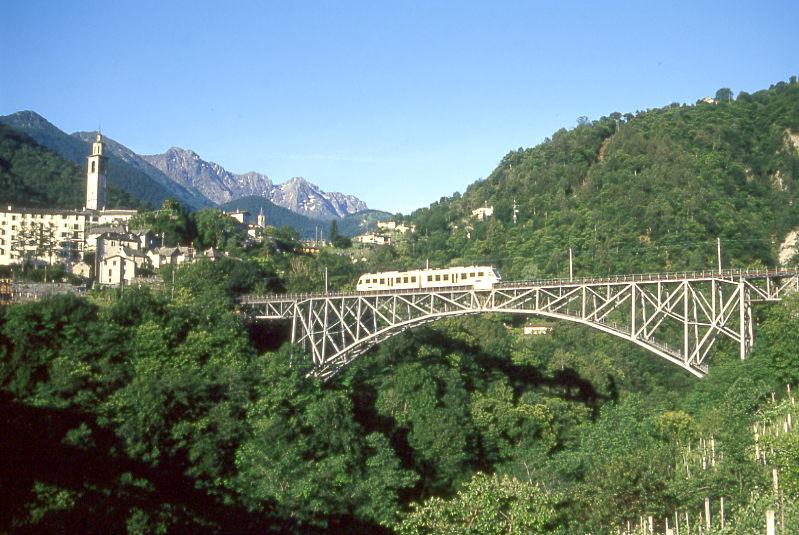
[(413, 279), (446, 276), (382, 281), (429, 278), (480, 274), (405, 279), (471, 275), (399, 279), (438, 278), (463, 276)]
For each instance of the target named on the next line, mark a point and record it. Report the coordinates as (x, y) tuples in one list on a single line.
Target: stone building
[(116, 269)]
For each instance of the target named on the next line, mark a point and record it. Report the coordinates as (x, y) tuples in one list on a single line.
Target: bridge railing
[(560, 281), (654, 277)]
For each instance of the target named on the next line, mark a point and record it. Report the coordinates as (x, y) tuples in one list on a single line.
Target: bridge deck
[(692, 276)]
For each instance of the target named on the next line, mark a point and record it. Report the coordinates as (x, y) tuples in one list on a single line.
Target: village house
[(483, 213), (393, 226), (373, 239), (121, 266)]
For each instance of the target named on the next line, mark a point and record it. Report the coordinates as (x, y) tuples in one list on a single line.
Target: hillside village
[(94, 242)]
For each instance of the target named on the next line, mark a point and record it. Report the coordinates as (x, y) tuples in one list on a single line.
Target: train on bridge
[(477, 277)]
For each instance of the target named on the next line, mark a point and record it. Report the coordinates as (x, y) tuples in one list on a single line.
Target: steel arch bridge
[(677, 316)]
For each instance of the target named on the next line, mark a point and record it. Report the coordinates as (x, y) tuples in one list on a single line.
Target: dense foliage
[(155, 410)]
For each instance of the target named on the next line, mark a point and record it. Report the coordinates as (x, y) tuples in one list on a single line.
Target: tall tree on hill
[(333, 232), (724, 94), (342, 242)]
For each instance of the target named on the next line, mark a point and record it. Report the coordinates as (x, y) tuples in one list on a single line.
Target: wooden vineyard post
[(770, 527)]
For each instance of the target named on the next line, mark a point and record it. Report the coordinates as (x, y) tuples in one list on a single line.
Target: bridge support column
[(294, 315), (632, 311), (745, 318), (686, 353)]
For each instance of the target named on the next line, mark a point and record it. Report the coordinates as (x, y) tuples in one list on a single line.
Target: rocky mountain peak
[(28, 119), (186, 167)]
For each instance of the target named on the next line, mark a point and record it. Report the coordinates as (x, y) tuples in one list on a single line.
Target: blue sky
[(398, 103)]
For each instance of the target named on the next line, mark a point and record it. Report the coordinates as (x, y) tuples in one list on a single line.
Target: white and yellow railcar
[(477, 277)]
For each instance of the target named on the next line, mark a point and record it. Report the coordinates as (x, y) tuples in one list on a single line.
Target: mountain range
[(182, 175), (186, 168)]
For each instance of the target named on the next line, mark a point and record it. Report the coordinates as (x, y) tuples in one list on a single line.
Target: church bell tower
[(95, 176)]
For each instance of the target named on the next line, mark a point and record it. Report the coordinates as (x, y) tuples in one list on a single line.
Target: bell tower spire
[(95, 176)]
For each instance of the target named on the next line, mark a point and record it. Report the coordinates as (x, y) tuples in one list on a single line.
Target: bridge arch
[(349, 354)]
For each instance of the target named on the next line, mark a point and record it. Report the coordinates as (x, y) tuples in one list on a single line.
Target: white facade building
[(481, 214), (393, 226), (238, 215), (115, 269), (536, 330), (163, 256), (375, 239)]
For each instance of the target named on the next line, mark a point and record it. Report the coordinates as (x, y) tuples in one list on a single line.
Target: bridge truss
[(678, 317)]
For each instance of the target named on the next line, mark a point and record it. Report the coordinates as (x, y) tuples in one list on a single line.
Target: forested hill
[(33, 176), (633, 192)]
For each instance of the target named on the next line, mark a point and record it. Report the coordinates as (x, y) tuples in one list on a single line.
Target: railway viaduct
[(676, 316)]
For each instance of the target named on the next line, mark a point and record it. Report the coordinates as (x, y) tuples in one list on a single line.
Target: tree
[(342, 242), (47, 243), (487, 505), (429, 405), (333, 232), (307, 457), (778, 340), (724, 94), (23, 243), (215, 229)]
